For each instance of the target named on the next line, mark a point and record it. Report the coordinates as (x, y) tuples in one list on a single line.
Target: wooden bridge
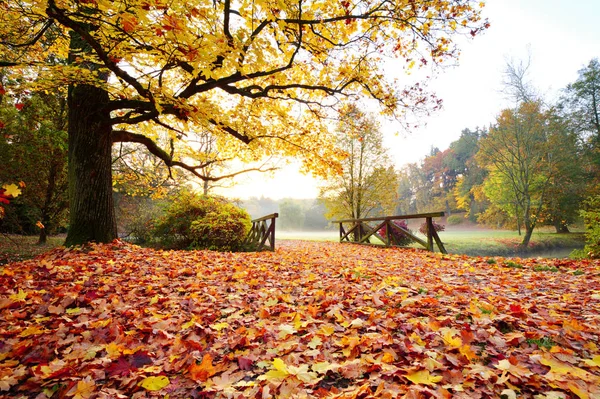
[(360, 231), (262, 234)]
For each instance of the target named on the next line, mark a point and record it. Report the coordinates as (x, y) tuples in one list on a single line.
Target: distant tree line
[(294, 214), (535, 165)]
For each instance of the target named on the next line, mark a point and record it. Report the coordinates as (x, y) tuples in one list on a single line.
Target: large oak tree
[(261, 76)]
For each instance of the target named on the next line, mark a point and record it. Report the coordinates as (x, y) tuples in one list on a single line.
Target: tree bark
[(92, 215), (561, 228)]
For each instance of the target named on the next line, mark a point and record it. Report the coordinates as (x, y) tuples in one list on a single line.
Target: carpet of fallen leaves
[(309, 320)]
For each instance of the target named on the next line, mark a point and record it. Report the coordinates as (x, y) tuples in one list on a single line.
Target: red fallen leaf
[(119, 367), (2, 91), (516, 310), (140, 359), (245, 363), (203, 371), (19, 106)]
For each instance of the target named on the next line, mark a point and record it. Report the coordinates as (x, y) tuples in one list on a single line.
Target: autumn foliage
[(309, 320), (199, 221)]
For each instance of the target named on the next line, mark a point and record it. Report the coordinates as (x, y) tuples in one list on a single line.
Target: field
[(312, 319), (479, 241), (14, 248)]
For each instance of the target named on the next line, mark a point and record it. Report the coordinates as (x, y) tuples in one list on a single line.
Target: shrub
[(591, 220), (198, 221), (453, 220), (399, 237), (436, 226)]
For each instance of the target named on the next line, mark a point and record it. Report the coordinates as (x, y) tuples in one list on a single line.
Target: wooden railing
[(262, 231), (361, 230)]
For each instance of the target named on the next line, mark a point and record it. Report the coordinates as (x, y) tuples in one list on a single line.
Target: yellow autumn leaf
[(154, 383), (327, 330), (560, 368), (321, 367), (285, 330), (301, 372), (278, 373), (450, 339), (12, 189), (423, 377), (314, 342), (280, 365), (19, 296), (84, 389), (219, 326), (594, 362), (31, 330), (387, 358)]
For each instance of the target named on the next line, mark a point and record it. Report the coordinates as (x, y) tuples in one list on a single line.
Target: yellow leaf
[(450, 339), (423, 377), (12, 189), (301, 372), (219, 326), (84, 389), (20, 296), (315, 342), (509, 394), (154, 383), (280, 365), (327, 330), (595, 362), (31, 330), (321, 367), (579, 390), (387, 358), (285, 330), (154, 300)]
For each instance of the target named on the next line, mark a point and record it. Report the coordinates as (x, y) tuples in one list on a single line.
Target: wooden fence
[(262, 232), (360, 231)]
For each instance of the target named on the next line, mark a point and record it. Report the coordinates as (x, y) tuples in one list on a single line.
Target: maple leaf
[(203, 371), (12, 190), (423, 377), (119, 367), (140, 359), (84, 388), (154, 383)]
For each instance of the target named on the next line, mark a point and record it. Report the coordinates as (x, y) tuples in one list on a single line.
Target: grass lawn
[(14, 248), (479, 242), (310, 320)]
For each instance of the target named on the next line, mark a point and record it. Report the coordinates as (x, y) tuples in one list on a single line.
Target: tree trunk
[(527, 237), (529, 225), (45, 216), (92, 216), (561, 228)]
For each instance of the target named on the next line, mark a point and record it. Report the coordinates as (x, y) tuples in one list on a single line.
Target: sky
[(561, 37)]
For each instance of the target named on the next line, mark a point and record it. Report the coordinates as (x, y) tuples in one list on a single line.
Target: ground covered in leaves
[(309, 320)]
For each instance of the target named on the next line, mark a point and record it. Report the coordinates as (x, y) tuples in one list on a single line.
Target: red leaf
[(140, 359), (245, 363), (19, 106), (119, 367)]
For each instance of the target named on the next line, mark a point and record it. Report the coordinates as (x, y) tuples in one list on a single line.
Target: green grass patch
[(513, 265), (15, 248), (544, 342), (545, 269), (506, 243)]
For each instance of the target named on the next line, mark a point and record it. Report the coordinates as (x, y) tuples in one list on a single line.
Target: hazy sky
[(562, 37)]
